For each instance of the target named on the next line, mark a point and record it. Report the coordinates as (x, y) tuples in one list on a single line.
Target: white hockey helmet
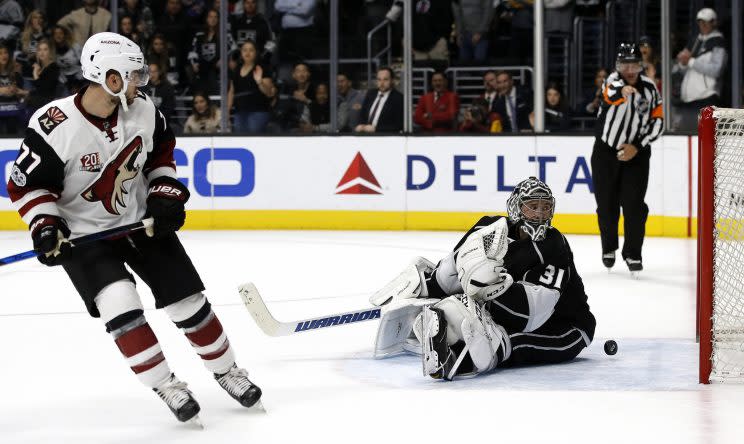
[(108, 51)]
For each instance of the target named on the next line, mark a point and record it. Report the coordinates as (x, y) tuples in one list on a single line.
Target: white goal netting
[(728, 247)]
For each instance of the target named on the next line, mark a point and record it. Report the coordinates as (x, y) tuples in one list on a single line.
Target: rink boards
[(399, 183)]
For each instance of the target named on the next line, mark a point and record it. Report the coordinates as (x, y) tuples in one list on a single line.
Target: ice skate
[(437, 356), (179, 400), (608, 259), (239, 387), (635, 266)]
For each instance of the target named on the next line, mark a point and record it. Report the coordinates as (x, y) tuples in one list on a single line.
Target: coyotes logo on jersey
[(109, 187)]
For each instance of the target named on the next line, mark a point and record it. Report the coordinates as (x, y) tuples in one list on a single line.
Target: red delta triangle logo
[(358, 179)]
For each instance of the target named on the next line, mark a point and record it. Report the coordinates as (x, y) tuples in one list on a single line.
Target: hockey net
[(720, 289)]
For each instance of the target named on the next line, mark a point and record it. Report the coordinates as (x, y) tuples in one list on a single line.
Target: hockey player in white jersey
[(104, 158), (508, 294)]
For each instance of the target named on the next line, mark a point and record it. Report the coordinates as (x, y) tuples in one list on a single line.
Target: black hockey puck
[(610, 347)]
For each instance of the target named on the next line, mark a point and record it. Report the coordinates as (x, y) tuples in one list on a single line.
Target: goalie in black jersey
[(508, 294)]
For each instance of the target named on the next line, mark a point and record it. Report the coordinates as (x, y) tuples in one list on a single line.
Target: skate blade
[(635, 275), (196, 423), (259, 407)]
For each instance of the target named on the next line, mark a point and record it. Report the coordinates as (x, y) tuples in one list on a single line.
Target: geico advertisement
[(470, 174)]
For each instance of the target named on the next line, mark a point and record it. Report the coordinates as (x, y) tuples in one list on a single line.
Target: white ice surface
[(62, 378)]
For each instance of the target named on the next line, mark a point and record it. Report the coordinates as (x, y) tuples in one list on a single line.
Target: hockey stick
[(269, 325), (105, 234)]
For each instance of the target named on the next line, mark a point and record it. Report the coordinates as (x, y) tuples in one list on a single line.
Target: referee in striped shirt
[(629, 119)]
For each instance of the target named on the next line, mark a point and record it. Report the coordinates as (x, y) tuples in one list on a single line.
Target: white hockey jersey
[(93, 172)]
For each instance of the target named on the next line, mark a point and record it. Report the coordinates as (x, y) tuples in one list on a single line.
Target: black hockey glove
[(165, 203), (49, 234)]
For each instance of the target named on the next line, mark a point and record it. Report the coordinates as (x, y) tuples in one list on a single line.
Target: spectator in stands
[(45, 77), (472, 20), (11, 22), (86, 21), (175, 26), (33, 32), (141, 15), (204, 58), (489, 83), (11, 94), (703, 68), (513, 104), (383, 107), (127, 29), (651, 60), (350, 102), (194, 9), (205, 118), (557, 115), (68, 58), (249, 91), (593, 96), (286, 113), (161, 92), (165, 57), (432, 25), (252, 25), (477, 119), (297, 22), (301, 88), (317, 117), (437, 110)]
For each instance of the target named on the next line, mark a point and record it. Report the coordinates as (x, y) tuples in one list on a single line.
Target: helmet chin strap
[(121, 94)]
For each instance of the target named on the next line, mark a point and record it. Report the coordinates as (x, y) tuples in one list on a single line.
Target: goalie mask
[(531, 206), (108, 51)]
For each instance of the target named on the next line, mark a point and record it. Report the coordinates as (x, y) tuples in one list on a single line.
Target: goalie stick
[(105, 234), (269, 325)]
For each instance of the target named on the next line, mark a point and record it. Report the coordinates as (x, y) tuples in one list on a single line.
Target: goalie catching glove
[(480, 259), (166, 201)]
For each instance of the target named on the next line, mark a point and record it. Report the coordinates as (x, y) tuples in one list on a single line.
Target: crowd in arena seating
[(276, 84)]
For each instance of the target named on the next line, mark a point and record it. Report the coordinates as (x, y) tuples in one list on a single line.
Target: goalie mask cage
[(720, 283)]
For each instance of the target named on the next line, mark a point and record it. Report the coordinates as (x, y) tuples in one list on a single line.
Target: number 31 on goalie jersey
[(552, 276)]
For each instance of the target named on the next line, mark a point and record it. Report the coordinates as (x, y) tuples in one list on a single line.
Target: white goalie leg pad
[(411, 283), (480, 258), (467, 320), (117, 298), (542, 302), (395, 331)]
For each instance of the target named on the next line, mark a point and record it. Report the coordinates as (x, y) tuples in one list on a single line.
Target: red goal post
[(720, 274)]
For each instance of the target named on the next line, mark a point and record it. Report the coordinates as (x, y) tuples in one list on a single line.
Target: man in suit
[(513, 104), (382, 110), (437, 110)]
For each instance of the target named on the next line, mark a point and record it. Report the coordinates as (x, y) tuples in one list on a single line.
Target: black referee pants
[(620, 184)]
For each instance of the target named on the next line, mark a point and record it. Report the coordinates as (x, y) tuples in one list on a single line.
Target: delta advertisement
[(431, 183)]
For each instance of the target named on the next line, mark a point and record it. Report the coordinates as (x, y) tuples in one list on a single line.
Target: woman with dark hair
[(205, 117), (204, 67), (249, 92), (557, 115), (127, 29), (160, 53), (45, 77), (651, 61)]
